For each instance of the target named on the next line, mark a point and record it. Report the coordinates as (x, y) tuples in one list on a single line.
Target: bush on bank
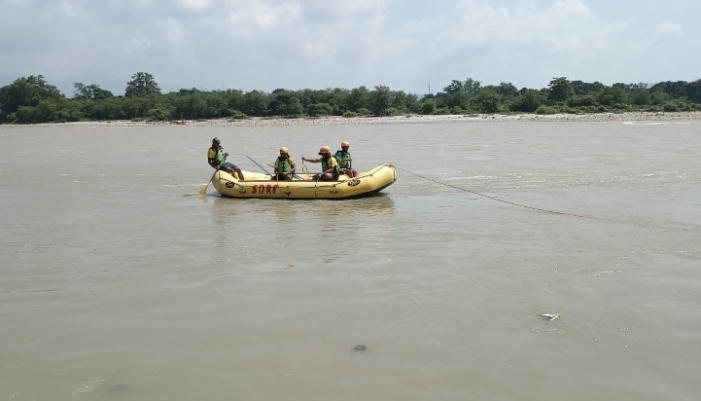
[(32, 100)]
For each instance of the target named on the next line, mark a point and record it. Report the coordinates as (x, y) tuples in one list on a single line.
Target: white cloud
[(251, 18), (195, 5), (136, 45), (174, 34), (669, 29), (70, 9), (269, 17), (569, 8), (351, 10), (267, 44)]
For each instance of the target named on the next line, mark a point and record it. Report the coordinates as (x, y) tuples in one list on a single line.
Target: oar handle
[(259, 166)]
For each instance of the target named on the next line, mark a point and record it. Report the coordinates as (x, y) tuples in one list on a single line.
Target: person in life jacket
[(216, 157), (285, 166), (329, 165), (344, 160)]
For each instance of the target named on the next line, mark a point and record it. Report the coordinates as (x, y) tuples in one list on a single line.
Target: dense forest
[(31, 100)]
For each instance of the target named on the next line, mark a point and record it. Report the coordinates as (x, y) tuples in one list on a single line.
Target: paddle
[(261, 167), (203, 191)]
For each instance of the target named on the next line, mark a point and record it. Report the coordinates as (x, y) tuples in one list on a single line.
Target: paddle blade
[(203, 191)]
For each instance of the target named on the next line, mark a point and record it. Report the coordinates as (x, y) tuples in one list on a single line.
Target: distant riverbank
[(326, 121)]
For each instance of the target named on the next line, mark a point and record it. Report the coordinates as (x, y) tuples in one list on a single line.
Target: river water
[(118, 282)]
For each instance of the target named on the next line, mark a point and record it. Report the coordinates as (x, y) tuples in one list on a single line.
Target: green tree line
[(31, 100)]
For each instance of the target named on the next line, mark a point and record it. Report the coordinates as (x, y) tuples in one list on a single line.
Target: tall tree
[(560, 90), (506, 90), (693, 91), (488, 101), (358, 98), (142, 84), (674, 89), (380, 100), (528, 102), (26, 92), (93, 92), (585, 88), (454, 87), (456, 100), (616, 94), (284, 103), (255, 103), (640, 97), (471, 87)]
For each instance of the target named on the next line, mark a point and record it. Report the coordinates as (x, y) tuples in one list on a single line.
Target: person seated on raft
[(344, 160), (329, 165), (285, 166), (216, 157)]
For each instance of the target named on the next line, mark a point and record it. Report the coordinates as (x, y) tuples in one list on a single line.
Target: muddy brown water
[(118, 282)]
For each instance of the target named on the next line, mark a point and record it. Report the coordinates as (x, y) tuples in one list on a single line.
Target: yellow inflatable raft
[(259, 185)]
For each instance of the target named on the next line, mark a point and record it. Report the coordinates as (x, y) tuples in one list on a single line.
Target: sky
[(416, 46)]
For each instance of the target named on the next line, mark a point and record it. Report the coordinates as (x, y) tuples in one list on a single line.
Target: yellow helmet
[(283, 150), (325, 149), (345, 143)]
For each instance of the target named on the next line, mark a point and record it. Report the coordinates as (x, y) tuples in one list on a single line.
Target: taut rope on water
[(495, 198), (537, 208)]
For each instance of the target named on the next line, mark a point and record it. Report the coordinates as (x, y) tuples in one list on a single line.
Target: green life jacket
[(283, 165), (325, 164), (343, 159), (220, 155)]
